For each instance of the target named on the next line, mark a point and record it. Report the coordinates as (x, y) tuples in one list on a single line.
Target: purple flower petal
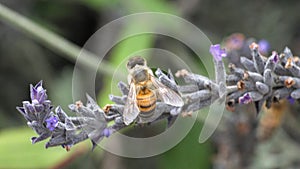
[(39, 88), (38, 93), (275, 57), (39, 84), (21, 110), (34, 101), (29, 107), (33, 92), (245, 99), (217, 52), (52, 123), (42, 96), (39, 107)]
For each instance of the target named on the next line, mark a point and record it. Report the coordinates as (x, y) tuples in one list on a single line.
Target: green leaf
[(189, 153), (134, 6), (17, 151), (97, 4)]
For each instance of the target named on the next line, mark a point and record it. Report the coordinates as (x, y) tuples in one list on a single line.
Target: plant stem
[(53, 41)]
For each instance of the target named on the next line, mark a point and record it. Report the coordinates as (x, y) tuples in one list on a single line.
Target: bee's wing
[(167, 95), (131, 110)]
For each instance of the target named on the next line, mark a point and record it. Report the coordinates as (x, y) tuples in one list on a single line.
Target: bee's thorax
[(140, 75)]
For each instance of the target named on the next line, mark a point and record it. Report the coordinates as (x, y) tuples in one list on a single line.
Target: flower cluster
[(256, 82), (38, 113), (63, 130), (253, 79), (264, 80)]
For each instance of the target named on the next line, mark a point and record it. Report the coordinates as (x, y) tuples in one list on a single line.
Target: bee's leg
[(138, 88)]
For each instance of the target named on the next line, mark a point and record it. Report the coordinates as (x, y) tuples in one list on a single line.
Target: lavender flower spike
[(258, 79), (217, 52)]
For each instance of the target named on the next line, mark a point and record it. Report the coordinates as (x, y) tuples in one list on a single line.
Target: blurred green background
[(23, 61)]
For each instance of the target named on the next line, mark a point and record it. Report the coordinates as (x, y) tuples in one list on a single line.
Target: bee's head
[(136, 60)]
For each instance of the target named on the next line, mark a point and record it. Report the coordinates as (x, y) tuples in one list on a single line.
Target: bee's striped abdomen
[(146, 100)]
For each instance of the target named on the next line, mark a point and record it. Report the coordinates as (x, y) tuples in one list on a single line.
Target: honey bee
[(144, 91), (271, 119)]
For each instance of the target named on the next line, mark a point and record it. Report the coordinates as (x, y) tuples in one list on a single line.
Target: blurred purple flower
[(290, 99), (52, 123), (107, 132), (245, 99), (264, 46), (217, 52)]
